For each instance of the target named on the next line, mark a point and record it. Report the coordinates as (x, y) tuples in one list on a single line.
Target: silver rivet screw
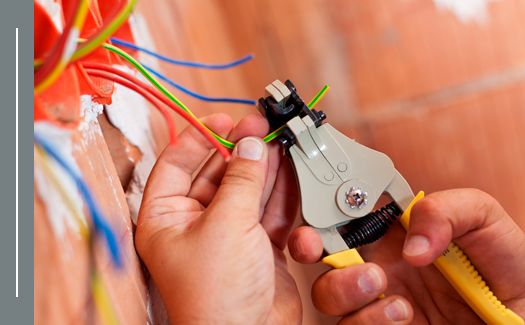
[(356, 197)]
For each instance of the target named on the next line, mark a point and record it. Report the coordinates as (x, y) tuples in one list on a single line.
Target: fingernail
[(396, 310), (416, 245), (250, 148), (370, 281)]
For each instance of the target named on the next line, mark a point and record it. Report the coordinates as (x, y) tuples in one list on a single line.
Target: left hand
[(214, 244)]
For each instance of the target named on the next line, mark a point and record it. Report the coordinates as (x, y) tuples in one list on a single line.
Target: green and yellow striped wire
[(166, 92), (93, 44)]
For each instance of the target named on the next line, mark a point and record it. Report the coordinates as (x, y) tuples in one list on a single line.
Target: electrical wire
[(48, 75), (102, 300), (47, 168), (98, 91), (144, 93), (162, 89), (191, 93), (100, 225), (191, 64), (99, 292), (58, 60), (105, 32), (94, 69), (318, 97), (166, 92)]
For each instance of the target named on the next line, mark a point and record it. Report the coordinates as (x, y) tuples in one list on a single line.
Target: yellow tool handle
[(455, 266), (343, 259), (463, 276)]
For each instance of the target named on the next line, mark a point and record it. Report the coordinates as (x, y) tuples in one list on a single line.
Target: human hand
[(415, 290), (214, 245)]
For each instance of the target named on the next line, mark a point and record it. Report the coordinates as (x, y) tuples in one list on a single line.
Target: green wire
[(90, 46), (166, 92)]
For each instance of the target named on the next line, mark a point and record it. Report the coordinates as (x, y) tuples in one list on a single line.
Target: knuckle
[(482, 197), (328, 296), (241, 177), (429, 206)]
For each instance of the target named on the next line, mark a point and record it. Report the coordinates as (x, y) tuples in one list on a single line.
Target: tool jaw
[(282, 104)]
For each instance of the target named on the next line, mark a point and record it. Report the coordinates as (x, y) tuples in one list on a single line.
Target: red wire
[(56, 53), (91, 83), (158, 105), (127, 80)]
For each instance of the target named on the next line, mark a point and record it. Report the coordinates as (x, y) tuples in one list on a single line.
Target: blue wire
[(199, 96), (99, 222), (180, 62)]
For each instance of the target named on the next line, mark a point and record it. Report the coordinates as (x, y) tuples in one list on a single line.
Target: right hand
[(415, 290)]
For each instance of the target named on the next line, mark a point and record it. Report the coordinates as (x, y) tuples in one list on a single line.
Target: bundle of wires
[(47, 71), (65, 51), (100, 224), (169, 99), (224, 142), (190, 64), (44, 153)]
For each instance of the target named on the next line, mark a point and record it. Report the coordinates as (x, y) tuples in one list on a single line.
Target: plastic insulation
[(102, 300), (100, 225), (92, 69), (161, 88), (53, 67), (170, 122), (190, 64), (100, 294), (53, 56), (191, 93), (47, 168), (98, 39)]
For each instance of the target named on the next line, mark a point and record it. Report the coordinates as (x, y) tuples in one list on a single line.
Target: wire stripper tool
[(341, 181)]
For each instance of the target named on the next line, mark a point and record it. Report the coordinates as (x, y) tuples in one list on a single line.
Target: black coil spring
[(371, 227)]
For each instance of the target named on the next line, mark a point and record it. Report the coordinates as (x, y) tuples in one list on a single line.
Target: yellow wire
[(102, 300), (80, 18)]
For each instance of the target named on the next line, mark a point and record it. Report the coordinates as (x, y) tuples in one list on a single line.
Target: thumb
[(239, 195)]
